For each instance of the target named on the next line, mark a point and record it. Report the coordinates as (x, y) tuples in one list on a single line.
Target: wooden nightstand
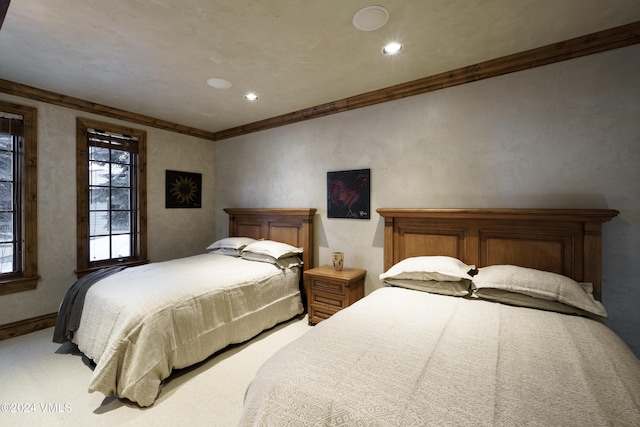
[(329, 291)]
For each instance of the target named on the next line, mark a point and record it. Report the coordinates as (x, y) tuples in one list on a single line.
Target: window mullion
[(18, 217), (109, 213)]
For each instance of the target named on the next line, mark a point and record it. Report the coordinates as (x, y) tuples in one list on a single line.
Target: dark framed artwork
[(348, 194), (184, 189)]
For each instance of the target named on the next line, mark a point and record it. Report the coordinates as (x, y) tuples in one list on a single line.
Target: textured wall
[(560, 136), (172, 232)]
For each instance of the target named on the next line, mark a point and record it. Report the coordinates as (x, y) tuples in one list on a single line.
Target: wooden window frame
[(139, 250), (27, 278)]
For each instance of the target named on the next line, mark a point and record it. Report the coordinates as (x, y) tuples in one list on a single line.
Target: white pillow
[(282, 263), (537, 284), (224, 251), (440, 268), (231, 243), (274, 249), (457, 289)]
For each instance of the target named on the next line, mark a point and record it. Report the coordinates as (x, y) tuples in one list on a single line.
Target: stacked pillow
[(435, 274), (230, 246), (272, 252), (528, 287)]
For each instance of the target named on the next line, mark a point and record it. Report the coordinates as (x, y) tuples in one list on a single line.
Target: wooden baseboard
[(26, 326)]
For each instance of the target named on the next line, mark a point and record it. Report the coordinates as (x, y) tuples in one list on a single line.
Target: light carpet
[(45, 384)]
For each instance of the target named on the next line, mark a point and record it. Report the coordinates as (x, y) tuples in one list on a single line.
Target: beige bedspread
[(406, 358), (142, 322)]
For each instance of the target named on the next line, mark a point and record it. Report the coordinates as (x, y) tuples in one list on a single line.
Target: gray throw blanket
[(70, 310)]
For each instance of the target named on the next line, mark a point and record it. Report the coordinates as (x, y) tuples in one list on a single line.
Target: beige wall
[(560, 136), (172, 232)]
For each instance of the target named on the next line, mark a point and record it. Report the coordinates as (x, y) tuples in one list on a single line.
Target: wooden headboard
[(292, 226), (564, 241)]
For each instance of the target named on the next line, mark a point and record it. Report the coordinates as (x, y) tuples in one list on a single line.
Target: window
[(18, 198), (111, 167)]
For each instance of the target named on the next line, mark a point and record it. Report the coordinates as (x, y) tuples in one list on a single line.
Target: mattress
[(405, 357), (141, 323)]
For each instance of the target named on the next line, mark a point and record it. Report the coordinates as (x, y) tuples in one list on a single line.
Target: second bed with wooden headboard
[(485, 319), (564, 241)]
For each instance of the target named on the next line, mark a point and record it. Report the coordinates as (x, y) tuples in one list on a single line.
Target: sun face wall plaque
[(184, 189)]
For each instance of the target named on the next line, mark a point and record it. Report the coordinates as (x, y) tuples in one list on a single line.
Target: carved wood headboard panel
[(564, 241), (292, 226)]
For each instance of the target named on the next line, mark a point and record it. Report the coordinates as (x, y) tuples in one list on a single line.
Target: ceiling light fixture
[(392, 48), (370, 18), (219, 83), (251, 96)]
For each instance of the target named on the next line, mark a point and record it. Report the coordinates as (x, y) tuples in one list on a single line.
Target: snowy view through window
[(6, 203), (109, 204)]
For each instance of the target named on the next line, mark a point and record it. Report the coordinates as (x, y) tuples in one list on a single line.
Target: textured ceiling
[(153, 57)]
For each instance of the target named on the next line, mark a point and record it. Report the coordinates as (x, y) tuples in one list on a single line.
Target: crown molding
[(602, 41)]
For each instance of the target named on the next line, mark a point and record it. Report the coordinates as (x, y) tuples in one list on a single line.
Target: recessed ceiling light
[(370, 18), (392, 48), (251, 96), (219, 83)]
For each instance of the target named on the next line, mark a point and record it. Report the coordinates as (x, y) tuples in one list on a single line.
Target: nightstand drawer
[(316, 315), (327, 299), (323, 286)]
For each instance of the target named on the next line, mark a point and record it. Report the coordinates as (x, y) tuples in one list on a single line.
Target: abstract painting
[(348, 194)]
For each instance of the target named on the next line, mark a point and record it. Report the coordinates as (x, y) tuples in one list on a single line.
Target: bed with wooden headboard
[(141, 323), (409, 354)]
